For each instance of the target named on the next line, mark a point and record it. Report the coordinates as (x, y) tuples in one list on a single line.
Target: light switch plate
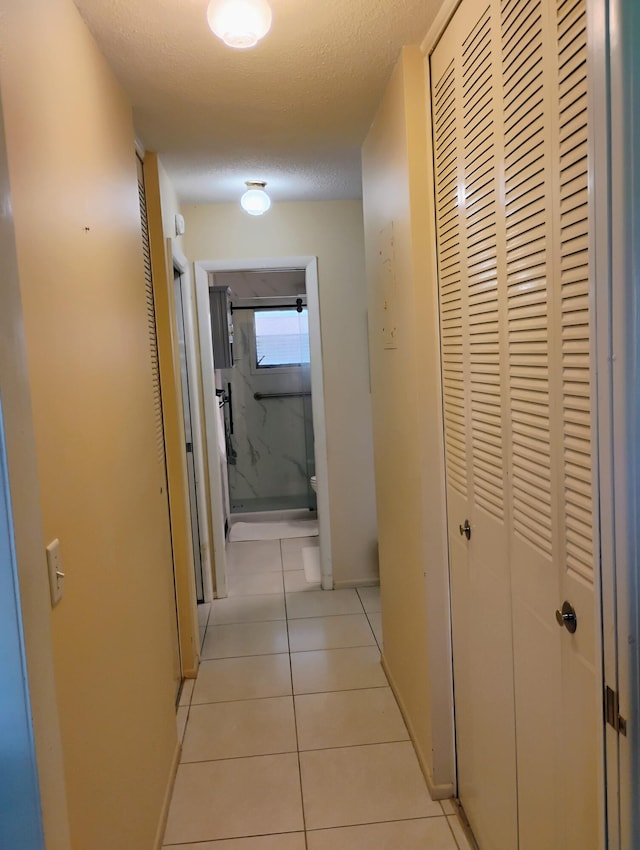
[(56, 574)]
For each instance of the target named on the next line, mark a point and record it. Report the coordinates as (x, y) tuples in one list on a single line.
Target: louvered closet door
[(543, 53), (465, 82), (512, 217)]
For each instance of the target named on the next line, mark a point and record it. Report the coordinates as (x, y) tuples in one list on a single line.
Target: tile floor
[(291, 737)]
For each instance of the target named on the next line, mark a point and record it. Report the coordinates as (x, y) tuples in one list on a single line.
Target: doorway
[(266, 397), (215, 418), (189, 435)]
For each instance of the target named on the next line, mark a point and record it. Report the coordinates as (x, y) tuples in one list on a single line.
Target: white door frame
[(310, 267), (616, 106), (181, 263)]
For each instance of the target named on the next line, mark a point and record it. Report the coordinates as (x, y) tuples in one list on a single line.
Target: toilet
[(314, 483)]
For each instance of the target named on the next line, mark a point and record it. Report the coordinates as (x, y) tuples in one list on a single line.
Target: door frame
[(187, 292), (310, 267), (616, 105)]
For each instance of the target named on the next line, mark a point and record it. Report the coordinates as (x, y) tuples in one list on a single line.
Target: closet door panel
[(464, 102), (490, 804), (580, 700)]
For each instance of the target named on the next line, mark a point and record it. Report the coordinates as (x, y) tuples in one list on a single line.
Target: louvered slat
[(574, 285), (151, 322), (449, 267), (487, 462), (526, 258)]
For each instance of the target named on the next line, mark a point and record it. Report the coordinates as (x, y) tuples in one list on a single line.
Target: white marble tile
[(237, 639), (309, 633), (337, 670), (292, 551), (295, 581), (362, 785), (448, 807), (258, 584), (322, 603), (230, 679), (370, 598), (252, 727), (286, 841), (186, 692), (181, 720), (247, 609), (248, 557), (235, 798), (348, 718), (459, 834), (423, 834), (203, 613), (375, 620)]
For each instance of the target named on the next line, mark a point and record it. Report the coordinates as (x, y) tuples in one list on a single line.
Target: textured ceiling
[(292, 111)]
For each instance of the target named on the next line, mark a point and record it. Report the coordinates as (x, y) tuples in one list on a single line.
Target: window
[(282, 337)]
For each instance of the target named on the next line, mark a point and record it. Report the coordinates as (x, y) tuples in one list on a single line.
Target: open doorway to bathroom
[(267, 396), (264, 403)]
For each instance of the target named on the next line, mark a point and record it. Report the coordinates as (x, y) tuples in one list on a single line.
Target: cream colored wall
[(73, 178), (27, 522), (407, 419), (332, 231), (170, 206)]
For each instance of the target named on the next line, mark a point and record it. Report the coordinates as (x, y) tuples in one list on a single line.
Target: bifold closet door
[(546, 215), (509, 90), (465, 98)]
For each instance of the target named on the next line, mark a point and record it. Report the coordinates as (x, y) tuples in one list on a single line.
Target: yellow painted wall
[(332, 231), (407, 418), (73, 178), (27, 522)]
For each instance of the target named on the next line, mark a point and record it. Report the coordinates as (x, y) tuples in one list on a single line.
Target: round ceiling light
[(239, 23), (255, 200)]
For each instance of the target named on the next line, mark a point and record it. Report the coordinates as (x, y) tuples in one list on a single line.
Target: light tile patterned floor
[(292, 739)]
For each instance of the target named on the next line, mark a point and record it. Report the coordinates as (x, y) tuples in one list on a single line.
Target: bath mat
[(273, 530), (311, 564)]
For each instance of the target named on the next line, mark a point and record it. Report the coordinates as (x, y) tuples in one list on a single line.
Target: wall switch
[(56, 575)]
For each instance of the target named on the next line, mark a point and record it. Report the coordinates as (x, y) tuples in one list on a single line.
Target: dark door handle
[(466, 529), (567, 617)]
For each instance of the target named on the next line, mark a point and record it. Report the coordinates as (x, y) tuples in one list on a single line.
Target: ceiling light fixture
[(255, 200), (239, 23)]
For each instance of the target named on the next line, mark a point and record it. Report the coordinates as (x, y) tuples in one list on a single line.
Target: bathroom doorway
[(266, 395), (291, 384)]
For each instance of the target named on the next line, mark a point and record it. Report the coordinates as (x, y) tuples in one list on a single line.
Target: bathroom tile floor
[(291, 737)]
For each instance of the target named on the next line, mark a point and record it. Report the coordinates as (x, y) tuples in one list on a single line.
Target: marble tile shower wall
[(272, 453)]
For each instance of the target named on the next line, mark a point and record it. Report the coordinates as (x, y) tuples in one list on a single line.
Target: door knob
[(466, 529), (567, 617)]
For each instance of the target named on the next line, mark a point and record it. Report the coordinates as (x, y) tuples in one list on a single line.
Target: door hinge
[(612, 709)]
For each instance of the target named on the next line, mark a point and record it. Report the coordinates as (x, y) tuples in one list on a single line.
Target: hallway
[(291, 738)]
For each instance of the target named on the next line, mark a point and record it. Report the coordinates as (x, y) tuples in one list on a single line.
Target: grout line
[(295, 718), (240, 758), (300, 694), (375, 636), (375, 823), (406, 740), (331, 648), (242, 699)]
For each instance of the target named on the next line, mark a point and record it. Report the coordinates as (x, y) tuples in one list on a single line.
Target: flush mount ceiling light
[(255, 200), (239, 23)]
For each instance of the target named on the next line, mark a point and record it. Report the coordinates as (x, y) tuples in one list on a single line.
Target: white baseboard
[(438, 792), (356, 582), (166, 801)]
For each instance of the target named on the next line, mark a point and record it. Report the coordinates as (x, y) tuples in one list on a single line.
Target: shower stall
[(266, 396)]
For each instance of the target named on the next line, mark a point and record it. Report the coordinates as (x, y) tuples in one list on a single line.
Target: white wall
[(408, 421), (332, 231)]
